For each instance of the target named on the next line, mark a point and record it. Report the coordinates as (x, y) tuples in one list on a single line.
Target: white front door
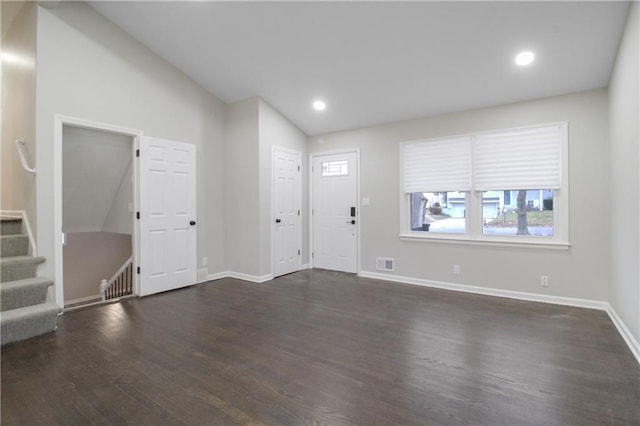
[(334, 199), (167, 215), (286, 211)]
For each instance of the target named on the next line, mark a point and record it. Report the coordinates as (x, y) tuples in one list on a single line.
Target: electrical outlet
[(544, 281), (456, 269), (205, 260), (202, 275)]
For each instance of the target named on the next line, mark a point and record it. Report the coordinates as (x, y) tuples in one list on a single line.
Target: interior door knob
[(278, 220), (193, 222)]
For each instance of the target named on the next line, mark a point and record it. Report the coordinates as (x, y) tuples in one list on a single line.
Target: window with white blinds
[(518, 159), (515, 159), (506, 175), (437, 166)]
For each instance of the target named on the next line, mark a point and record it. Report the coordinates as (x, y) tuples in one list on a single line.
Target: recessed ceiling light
[(319, 105), (525, 58)]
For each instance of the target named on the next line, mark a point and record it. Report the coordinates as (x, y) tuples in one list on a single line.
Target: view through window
[(523, 212), (439, 212)]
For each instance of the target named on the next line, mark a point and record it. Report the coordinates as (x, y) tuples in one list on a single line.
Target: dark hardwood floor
[(325, 348)]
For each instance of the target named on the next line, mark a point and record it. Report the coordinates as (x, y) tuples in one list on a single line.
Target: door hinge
[(298, 252), (312, 255), (137, 153), (137, 215), (298, 167), (298, 212), (138, 270)]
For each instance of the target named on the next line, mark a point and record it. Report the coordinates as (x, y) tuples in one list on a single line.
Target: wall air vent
[(385, 264)]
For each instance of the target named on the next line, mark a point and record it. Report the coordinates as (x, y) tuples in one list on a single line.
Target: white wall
[(580, 272), (276, 130), (90, 257), (19, 111), (94, 164), (624, 115), (242, 221), (88, 68), (120, 217), (253, 127)]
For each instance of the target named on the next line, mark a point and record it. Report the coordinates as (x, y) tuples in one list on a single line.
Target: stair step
[(19, 267), (10, 225), (14, 245), (22, 293), (22, 323)]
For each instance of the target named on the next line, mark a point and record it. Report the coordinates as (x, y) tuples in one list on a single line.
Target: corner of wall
[(624, 180), (241, 174)]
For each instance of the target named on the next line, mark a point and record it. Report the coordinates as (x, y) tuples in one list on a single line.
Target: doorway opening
[(97, 215), (95, 200)]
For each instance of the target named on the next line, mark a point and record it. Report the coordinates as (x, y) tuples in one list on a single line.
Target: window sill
[(520, 242)]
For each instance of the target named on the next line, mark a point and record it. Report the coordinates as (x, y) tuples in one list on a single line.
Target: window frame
[(474, 234)]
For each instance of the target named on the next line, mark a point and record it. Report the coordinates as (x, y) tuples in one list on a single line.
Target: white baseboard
[(217, 275), (487, 291), (82, 299), (631, 342), (252, 278), (629, 339), (624, 332), (246, 277), (240, 276)]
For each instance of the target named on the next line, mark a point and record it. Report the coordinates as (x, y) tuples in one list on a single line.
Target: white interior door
[(334, 199), (286, 211), (167, 215)]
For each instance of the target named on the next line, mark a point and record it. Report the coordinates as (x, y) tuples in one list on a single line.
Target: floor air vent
[(385, 264)]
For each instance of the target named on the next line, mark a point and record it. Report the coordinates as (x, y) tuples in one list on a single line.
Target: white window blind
[(518, 159), (437, 166)]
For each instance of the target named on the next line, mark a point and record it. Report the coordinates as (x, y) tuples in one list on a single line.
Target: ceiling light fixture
[(525, 58), (319, 105)]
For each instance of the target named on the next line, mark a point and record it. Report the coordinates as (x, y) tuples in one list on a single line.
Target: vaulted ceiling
[(378, 62)]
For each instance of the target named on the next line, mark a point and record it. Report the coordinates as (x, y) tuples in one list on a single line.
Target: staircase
[(24, 309)]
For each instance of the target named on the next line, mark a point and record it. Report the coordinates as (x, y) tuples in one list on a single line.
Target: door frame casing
[(59, 122), (275, 148), (312, 155)]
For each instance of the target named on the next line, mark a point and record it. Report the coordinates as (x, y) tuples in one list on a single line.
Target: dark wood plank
[(323, 347)]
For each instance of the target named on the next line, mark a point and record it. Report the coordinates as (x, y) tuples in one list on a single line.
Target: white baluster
[(103, 289)]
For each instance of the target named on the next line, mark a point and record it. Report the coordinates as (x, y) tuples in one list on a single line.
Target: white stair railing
[(23, 159), (120, 284)]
